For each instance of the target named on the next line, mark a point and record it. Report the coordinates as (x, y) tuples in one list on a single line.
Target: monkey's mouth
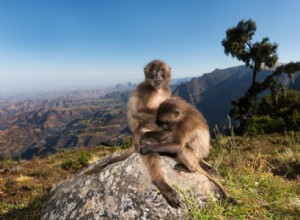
[(157, 83), (166, 127)]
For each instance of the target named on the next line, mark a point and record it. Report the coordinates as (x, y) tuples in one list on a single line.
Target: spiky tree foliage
[(238, 43)]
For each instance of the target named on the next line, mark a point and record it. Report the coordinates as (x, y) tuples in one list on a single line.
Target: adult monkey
[(141, 115), (185, 133), (142, 106)]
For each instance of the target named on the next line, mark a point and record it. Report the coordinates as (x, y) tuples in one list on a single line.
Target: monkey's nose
[(166, 127), (158, 82)]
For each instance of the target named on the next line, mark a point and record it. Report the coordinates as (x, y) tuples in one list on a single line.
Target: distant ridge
[(213, 92)]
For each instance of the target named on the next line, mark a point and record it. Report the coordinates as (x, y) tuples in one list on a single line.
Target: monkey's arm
[(144, 114), (153, 137), (173, 148)]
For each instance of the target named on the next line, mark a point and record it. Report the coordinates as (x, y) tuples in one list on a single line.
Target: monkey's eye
[(176, 113), (153, 74)]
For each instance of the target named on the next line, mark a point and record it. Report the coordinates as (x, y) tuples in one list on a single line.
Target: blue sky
[(78, 44)]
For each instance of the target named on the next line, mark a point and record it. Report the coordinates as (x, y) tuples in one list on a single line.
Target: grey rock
[(124, 191)]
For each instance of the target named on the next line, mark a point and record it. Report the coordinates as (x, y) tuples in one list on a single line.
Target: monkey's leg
[(152, 162), (123, 156)]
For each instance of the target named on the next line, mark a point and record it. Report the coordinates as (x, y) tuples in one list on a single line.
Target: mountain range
[(213, 92), (39, 127)]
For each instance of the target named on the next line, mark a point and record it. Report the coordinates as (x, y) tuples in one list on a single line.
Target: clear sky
[(77, 44)]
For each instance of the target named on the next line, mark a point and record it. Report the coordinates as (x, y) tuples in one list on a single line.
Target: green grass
[(25, 185), (247, 167), (262, 170)]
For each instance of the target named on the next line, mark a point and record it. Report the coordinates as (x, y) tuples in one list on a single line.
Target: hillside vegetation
[(262, 170)]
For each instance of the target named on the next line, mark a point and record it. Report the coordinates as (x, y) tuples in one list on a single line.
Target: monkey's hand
[(147, 141), (145, 149), (149, 138)]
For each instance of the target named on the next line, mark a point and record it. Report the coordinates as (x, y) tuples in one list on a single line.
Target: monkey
[(184, 133), (141, 117), (142, 106), (144, 102)]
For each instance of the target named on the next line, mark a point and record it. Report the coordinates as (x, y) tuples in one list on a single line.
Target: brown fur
[(145, 100), (141, 115), (185, 133)]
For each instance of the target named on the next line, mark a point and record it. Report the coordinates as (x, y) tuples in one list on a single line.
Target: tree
[(247, 104), (276, 114), (238, 43)]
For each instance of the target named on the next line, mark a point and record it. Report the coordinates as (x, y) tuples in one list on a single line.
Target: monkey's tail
[(221, 187), (98, 168), (208, 168)]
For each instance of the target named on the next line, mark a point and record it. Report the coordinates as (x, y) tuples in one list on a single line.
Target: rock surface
[(124, 191)]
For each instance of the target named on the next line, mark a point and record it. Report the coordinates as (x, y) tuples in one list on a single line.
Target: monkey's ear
[(177, 113)]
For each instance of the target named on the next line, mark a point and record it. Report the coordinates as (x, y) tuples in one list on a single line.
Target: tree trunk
[(254, 76)]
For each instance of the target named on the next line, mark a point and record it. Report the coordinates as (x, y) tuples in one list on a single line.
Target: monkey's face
[(156, 78), (168, 116), (157, 74)]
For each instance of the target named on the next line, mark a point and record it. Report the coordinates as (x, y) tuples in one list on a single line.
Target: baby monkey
[(184, 133)]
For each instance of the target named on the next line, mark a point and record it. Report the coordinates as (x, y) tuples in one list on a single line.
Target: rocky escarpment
[(124, 191), (38, 128)]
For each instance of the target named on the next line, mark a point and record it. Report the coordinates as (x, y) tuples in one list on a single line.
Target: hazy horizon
[(67, 45)]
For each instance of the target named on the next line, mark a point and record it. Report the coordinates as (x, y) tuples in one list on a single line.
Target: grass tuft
[(295, 202)]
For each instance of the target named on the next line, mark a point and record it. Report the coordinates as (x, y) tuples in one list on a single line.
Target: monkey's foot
[(172, 198), (168, 192)]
